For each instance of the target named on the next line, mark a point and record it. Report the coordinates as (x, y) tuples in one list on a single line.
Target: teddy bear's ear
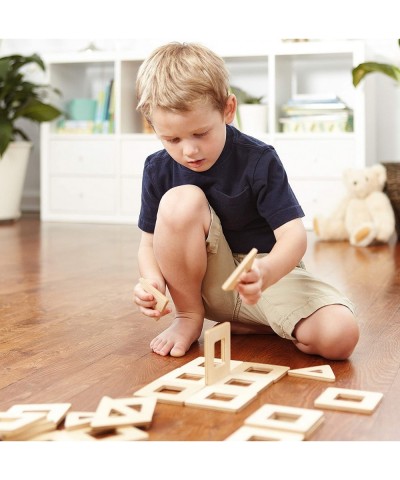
[(380, 171)]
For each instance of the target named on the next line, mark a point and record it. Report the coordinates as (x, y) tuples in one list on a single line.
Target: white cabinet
[(97, 177)]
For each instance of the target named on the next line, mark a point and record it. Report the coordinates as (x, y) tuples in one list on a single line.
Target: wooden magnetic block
[(320, 372), (166, 390), (198, 365), (262, 370), (244, 266), (216, 371), (247, 382), (87, 435), (161, 299), (56, 412), (115, 413), (248, 434), (13, 425), (348, 400), (288, 419), (226, 398), (78, 420)]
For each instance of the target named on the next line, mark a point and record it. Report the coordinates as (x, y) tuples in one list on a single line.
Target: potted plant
[(392, 187), (19, 98), (252, 114)]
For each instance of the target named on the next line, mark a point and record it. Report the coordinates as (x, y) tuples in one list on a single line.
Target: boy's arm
[(149, 270), (289, 249)]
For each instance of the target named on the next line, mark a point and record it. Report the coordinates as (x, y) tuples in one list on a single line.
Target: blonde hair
[(176, 76)]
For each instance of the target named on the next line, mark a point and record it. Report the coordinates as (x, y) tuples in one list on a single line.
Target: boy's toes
[(178, 350)]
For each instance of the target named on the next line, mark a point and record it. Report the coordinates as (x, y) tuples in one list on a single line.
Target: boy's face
[(195, 139)]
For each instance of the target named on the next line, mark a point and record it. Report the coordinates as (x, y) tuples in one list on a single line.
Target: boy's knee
[(182, 205), (342, 338)]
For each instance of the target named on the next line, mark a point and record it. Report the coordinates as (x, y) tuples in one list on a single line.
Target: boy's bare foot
[(247, 329), (177, 339)]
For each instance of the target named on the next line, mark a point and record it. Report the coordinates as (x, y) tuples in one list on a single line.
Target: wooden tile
[(348, 400), (13, 425), (248, 433), (244, 266), (262, 370), (78, 420), (320, 372), (172, 391), (216, 371), (226, 398), (288, 419), (56, 412), (161, 299)]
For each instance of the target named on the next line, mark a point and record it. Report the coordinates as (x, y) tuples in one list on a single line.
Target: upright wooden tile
[(216, 371), (348, 400)]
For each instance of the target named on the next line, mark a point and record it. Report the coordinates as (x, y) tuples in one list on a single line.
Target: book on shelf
[(316, 113)]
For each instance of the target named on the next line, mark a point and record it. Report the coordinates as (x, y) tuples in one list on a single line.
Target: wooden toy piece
[(115, 413), (198, 365), (321, 372), (78, 420), (119, 434), (288, 419), (162, 300), (247, 433), (56, 412), (226, 398), (216, 371), (348, 400), (166, 390), (244, 266), (261, 370), (15, 425), (247, 382)]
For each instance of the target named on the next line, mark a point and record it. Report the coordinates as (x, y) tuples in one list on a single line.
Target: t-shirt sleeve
[(150, 200), (276, 201)]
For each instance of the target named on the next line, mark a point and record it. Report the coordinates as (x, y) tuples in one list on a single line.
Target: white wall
[(387, 94)]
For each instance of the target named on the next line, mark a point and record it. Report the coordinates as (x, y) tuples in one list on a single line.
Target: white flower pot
[(12, 176), (253, 118)]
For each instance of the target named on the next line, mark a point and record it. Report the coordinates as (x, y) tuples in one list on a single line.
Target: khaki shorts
[(281, 307)]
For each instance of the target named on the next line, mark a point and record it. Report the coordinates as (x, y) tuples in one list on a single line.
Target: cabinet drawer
[(83, 157), (131, 190), (134, 153), (82, 195), (317, 158)]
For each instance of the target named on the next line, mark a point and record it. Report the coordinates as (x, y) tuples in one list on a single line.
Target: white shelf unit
[(97, 177)]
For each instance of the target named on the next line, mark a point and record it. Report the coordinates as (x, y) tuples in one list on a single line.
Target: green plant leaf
[(366, 68), (38, 111)]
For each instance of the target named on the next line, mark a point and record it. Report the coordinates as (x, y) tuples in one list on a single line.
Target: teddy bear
[(365, 215)]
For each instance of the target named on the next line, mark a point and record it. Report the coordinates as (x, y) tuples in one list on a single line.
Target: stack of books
[(307, 113)]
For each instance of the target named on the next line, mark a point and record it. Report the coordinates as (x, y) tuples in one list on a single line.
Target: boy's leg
[(319, 335), (180, 249)]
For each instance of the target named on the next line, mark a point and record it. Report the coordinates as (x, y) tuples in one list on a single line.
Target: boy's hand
[(147, 301), (250, 284)]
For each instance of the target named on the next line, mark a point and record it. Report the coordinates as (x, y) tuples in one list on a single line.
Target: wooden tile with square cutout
[(255, 384), (14, 425), (262, 370), (87, 435), (320, 372), (287, 419), (226, 398), (348, 400), (169, 390), (56, 412), (216, 371), (249, 434)]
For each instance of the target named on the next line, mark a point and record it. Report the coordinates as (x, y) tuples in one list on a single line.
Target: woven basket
[(392, 190)]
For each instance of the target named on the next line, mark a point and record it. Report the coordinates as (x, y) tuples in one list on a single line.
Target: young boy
[(208, 198)]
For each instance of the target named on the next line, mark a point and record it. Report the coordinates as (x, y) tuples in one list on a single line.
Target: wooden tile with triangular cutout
[(114, 413), (320, 372), (56, 412), (78, 420)]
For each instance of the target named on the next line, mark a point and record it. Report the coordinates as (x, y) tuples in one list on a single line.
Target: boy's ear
[(230, 109)]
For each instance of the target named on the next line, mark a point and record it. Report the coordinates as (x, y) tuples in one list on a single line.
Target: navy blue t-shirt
[(247, 187)]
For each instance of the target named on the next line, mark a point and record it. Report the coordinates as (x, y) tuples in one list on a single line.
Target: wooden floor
[(69, 332)]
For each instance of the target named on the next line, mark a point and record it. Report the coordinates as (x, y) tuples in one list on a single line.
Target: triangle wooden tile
[(13, 425), (78, 420), (56, 412), (113, 413), (320, 372)]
